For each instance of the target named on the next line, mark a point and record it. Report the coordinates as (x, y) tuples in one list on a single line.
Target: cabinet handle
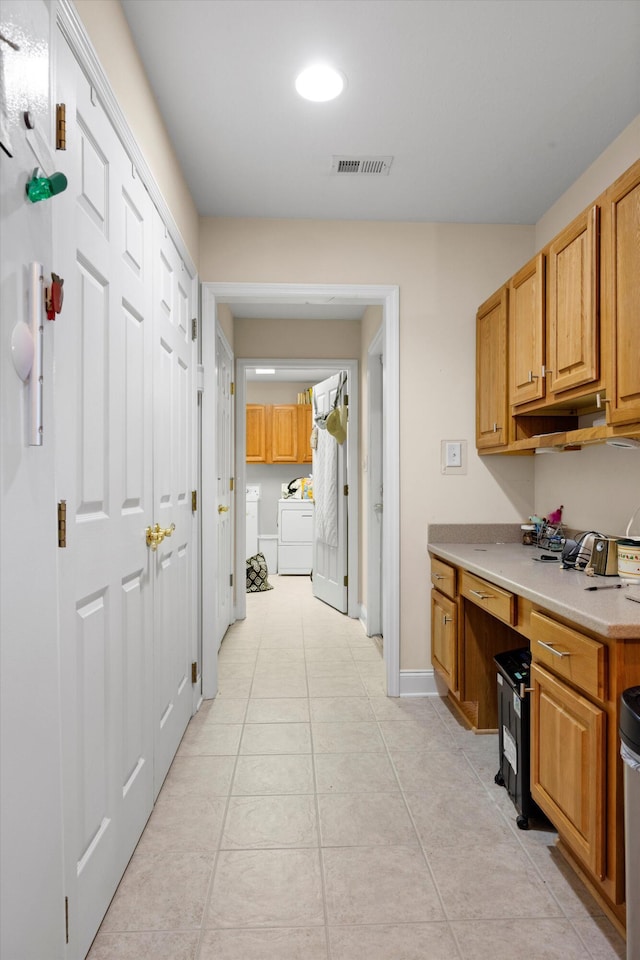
[(446, 620), (482, 596), (438, 576), (557, 653), (532, 376), (496, 428)]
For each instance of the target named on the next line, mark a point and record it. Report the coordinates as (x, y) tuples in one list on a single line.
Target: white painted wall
[(599, 486), (31, 887)]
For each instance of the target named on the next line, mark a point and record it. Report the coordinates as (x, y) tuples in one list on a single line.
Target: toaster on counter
[(604, 557)]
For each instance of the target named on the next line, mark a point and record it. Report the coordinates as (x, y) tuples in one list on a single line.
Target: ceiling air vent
[(362, 166)]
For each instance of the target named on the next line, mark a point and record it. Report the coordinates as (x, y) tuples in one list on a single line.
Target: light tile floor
[(308, 817)]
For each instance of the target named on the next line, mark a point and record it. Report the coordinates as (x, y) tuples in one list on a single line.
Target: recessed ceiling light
[(265, 370), (319, 83)]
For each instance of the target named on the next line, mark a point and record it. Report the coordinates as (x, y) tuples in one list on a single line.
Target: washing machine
[(253, 504)]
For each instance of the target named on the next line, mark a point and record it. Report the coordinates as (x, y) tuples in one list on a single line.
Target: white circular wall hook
[(22, 350)]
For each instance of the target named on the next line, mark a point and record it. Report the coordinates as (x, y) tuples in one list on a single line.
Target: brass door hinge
[(232, 389), (345, 400), (66, 919), (346, 580), (346, 489), (194, 328), (194, 501), (231, 482), (61, 126), (230, 579), (194, 672), (62, 523)]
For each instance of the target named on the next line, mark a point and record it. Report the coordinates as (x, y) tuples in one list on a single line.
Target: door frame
[(375, 480), (353, 500), (386, 296)]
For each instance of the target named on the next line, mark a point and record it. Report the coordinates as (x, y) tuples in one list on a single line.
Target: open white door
[(330, 495), (224, 493)]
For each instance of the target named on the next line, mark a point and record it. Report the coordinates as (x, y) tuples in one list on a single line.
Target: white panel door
[(104, 472), (173, 563), (330, 513), (224, 495)]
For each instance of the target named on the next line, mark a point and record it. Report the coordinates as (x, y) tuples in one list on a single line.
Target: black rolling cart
[(514, 732)]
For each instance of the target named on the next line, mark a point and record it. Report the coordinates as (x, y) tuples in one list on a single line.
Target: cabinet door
[(527, 332), (621, 249), (573, 333), (444, 638), (492, 408), (256, 433), (568, 764), (305, 423), (284, 433)]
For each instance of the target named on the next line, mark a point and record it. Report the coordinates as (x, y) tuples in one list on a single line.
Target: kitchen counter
[(511, 566)]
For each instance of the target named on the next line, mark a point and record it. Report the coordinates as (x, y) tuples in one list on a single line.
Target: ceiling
[(489, 108)]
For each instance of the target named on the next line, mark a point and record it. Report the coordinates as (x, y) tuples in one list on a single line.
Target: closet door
[(103, 437), (173, 563)]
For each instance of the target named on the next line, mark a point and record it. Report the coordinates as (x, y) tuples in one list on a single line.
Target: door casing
[(388, 298)]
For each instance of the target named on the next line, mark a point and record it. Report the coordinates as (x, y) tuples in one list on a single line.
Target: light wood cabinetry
[(492, 409), (284, 433), (444, 638), (527, 332), (621, 294), (256, 419), (573, 337), (573, 305), (305, 424), (568, 766), (277, 433)]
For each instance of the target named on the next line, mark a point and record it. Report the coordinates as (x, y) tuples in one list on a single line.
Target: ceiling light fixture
[(320, 83), (265, 371)]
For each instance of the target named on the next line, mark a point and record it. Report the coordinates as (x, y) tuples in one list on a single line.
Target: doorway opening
[(387, 297)]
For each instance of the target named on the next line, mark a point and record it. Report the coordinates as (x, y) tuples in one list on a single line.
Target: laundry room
[(279, 493)]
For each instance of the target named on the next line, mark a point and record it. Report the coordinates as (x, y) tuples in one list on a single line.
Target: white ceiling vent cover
[(362, 166)]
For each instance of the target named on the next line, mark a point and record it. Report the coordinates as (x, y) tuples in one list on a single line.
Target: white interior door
[(224, 494), (375, 493), (174, 561), (104, 473), (329, 493)]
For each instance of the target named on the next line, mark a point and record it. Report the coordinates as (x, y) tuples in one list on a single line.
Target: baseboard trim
[(418, 683)]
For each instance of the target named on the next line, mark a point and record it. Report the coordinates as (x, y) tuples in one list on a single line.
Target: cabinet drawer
[(499, 603), (443, 577), (569, 654)]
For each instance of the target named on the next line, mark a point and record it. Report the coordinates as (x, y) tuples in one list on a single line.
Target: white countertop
[(510, 565)]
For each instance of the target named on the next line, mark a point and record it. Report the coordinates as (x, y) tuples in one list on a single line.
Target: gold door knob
[(157, 534), (222, 509)]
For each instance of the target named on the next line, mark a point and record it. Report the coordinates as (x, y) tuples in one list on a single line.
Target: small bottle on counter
[(528, 534)]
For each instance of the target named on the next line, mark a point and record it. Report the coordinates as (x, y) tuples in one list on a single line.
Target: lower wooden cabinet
[(568, 766), (444, 638)]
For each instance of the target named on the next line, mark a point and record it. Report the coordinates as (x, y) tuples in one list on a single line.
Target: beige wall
[(295, 339), (261, 392), (443, 271), (599, 486), (109, 33)]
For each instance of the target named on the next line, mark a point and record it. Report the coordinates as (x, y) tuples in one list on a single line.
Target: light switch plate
[(453, 457)]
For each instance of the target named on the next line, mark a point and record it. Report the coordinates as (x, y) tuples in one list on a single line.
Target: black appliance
[(514, 732)]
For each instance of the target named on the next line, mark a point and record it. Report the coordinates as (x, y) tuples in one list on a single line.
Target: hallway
[(308, 817)]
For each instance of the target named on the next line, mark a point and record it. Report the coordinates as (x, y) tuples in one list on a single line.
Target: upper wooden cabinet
[(256, 433), (573, 305), (277, 433), (621, 294), (573, 336), (527, 332), (492, 408), (305, 424)]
